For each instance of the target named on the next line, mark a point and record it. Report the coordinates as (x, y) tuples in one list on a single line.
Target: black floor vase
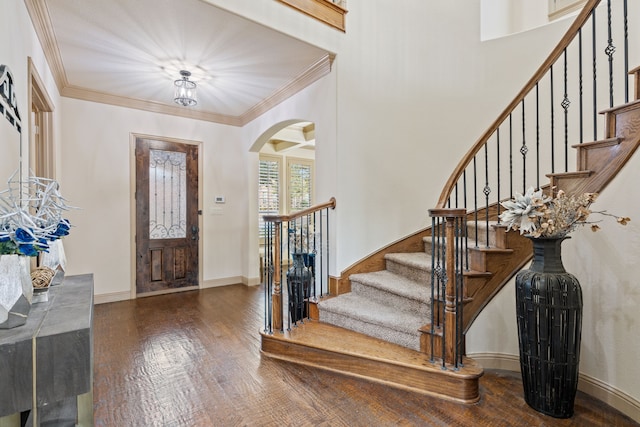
[(549, 311)]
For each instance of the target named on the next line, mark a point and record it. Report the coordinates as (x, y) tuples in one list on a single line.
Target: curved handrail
[(528, 87), (282, 218)]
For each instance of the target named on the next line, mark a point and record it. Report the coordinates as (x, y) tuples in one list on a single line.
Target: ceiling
[(129, 52)]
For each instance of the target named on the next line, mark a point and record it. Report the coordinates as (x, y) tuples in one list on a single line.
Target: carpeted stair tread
[(419, 260), (394, 283), (359, 307)]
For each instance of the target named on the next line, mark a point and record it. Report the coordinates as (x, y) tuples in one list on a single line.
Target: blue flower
[(23, 236), (42, 245), (62, 229), (28, 250)]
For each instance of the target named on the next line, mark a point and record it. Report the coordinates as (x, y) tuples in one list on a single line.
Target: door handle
[(194, 232)]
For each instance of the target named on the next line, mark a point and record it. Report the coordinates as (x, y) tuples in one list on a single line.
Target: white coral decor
[(537, 215), (523, 212)]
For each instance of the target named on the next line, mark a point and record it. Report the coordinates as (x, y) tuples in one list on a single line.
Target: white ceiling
[(129, 52)]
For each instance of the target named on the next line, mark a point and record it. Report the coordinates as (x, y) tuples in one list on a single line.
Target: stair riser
[(427, 246), (389, 298), (413, 273), (480, 230), (378, 331)]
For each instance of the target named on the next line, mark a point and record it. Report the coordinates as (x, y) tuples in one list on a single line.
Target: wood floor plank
[(193, 359)]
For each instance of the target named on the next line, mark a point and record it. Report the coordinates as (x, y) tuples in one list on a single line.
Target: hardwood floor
[(193, 359)]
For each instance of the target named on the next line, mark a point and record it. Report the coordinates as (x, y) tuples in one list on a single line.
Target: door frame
[(45, 156), (132, 205)]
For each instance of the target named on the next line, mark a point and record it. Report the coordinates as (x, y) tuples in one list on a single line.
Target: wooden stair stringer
[(331, 348), (499, 266), (600, 161)]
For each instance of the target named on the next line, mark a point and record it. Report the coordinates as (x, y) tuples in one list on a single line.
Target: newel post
[(449, 265)]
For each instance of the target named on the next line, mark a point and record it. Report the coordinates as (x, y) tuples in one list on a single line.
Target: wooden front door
[(166, 215)]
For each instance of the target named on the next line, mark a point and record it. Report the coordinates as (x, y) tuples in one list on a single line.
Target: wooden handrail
[(528, 87), (282, 218)]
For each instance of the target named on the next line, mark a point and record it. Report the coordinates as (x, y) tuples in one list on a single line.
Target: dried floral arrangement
[(31, 216), (541, 216)]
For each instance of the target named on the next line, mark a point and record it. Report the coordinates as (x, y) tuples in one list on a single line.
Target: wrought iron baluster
[(288, 284), (565, 105), (626, 52), (595, 85), (466, 225), (511, 156), (580, 90), (537, 138), (486, 190), (498, 170), (523, 151), (328, 249), (610, 50), (553, 121), (475, 200), (456, 194), (443, 302), (434, 234), (321, 252), (316, 232), (267, 278)]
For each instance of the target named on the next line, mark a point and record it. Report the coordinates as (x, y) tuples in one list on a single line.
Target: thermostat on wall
[(219, 199)]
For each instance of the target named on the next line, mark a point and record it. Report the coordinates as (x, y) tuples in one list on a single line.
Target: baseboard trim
[(251, 281), (592, 386), (111, 297), (508, 362), (214, 283), (611, 396)]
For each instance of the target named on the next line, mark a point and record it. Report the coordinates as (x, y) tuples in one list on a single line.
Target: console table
[(46, 365)]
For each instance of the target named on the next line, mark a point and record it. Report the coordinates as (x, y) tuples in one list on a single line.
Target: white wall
[(316, 103), (500, 18), (96, 176), (18, 41), (416, 89)]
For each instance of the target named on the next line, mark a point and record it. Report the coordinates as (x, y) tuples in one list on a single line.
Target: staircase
[(382, 324), (394, 304)]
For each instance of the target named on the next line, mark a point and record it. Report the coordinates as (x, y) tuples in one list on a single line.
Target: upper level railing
[(331, 12), (299, 244), (587, 72)]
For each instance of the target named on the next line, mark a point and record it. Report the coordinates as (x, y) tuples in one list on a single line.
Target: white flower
[(522, 212), (537, 215)]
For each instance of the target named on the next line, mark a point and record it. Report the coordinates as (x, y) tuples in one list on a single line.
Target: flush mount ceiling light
[(185, 90)]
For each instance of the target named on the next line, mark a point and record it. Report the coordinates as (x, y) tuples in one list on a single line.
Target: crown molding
[(151, 106), (39, 14), (309, 76)]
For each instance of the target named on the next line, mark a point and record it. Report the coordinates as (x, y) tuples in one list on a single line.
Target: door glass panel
[(167, 194)]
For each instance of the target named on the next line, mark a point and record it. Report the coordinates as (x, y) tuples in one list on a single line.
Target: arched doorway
[(285, 178)]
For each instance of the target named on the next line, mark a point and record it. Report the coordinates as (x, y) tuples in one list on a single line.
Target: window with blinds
[(299, 184), (283, 190), (268, 189)]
